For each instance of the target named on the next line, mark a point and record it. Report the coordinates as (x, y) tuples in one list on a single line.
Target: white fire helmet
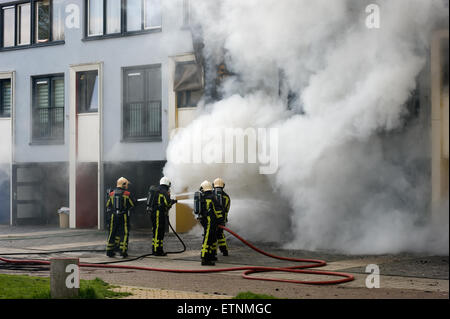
[(218, 182), (206, 186), (165, 181), (123, 183)]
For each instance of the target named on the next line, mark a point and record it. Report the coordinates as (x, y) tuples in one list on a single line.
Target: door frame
[(439, 185), (97, 66), (12, 76)]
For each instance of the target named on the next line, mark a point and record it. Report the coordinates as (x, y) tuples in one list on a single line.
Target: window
[(47, 26), (87, 91), (188, 83), (122, 17), (113, 16), (142, 103), (58, 11), (186, 13), (189, 98), (9, 30), (134, 10), (42, 27), (48, 109), (23, 24), (5, 98), (152, 14), (95, 13)]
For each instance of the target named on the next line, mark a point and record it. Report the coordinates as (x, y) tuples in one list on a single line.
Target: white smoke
[(350, 177)]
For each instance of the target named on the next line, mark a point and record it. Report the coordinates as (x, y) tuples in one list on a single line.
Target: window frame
[(85, 110), (33, 43), (187, 96), (51, 100), (18, 21), (2, 113), (140, 68), (123, 23)]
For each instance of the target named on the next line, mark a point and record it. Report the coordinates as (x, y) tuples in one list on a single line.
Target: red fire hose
[(248, 270)]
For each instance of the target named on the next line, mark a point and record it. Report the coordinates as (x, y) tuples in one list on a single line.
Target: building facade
[(87, 96), (91, 90)]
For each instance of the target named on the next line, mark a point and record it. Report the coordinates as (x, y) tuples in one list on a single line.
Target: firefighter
[(211, 213), (159, 215), (120, 203), (109, 213), (225, 201)]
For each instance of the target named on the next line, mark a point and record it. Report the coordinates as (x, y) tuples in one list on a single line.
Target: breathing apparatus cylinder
[(118, 203), (151, 199), (218, 191), (198, 199)]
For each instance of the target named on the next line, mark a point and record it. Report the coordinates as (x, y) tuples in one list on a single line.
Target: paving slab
[(402, 275)]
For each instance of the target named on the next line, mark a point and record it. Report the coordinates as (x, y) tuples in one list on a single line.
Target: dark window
[(186, 13), (189, 98), (122, 17), (142, 103), (5, 98), (48, 109), (87, 91), (444, 56), (32, 22), (42, 18), (188, 83)]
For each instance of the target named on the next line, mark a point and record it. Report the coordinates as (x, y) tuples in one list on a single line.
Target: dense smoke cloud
[(353, 169)]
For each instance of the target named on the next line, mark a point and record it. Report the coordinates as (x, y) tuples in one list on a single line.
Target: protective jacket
[(159, 218), (119, 204), (211, 215)]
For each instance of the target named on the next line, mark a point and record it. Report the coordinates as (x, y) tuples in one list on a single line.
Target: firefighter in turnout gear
[(120, 203), (225, 201), (109, 213), (158, 205), (210, 214)]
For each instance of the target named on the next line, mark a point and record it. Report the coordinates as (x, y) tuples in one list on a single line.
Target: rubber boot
[(207, 262), (214, 256), (110, 253), (160, 252)]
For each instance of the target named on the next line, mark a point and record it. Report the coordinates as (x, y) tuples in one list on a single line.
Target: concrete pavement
[(402, 276)]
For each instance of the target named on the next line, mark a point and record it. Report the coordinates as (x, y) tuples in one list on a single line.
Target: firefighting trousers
[(118, 228), (159, 228), (221, 241), (209, 236)]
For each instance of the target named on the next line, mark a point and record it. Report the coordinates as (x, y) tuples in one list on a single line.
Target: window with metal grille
[(142, 103), (5, 98), (48, 109)]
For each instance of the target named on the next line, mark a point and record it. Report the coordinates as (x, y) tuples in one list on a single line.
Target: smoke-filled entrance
[(39, 190)]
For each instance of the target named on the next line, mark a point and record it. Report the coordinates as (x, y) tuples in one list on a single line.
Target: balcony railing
[(142, 120), (48, 124)]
